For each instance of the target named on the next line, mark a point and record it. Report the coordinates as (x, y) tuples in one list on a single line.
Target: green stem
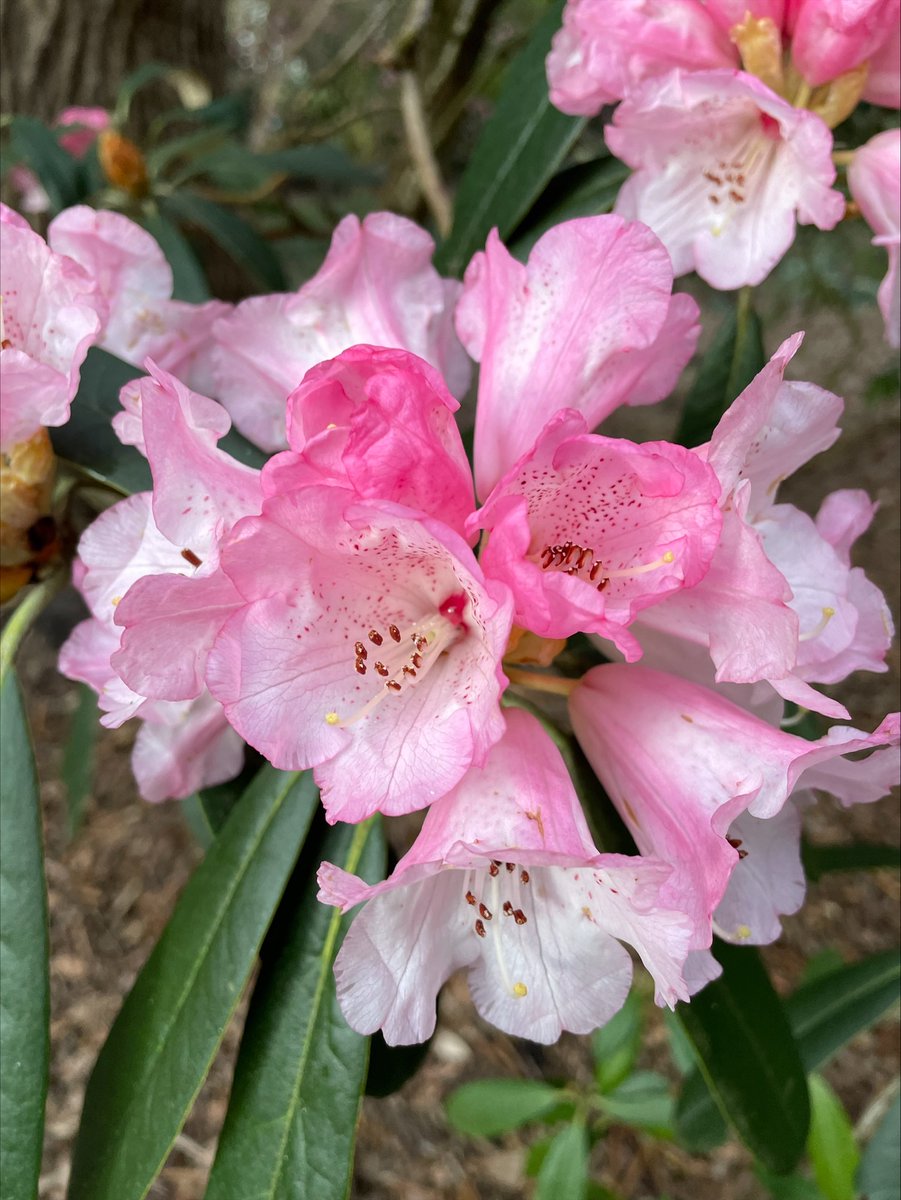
[(25, 615)]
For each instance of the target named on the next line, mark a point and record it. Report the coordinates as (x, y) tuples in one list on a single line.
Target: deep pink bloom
[(587, 531), (134, 277), (830, 37), (723, 169), (883, 85), (50, 314), (605, 47), (589, 323), (380, 422), (874, 178), (376, 286), (504, 880), (682, 764), (367, 645)]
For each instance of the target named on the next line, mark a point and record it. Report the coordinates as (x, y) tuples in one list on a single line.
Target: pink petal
[(767, 883), (193, 747), (874, 178), (832, 36)]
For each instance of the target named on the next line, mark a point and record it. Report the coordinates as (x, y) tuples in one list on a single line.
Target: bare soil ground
[(113, 887)]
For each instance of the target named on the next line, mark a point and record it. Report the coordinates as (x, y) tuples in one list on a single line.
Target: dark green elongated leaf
[(583, 190), (233, 234), (322, 164), (519, 150), (492, 1106), (879, 1177), (189, 281), (78, 755), (298, 1086), (643, 1100), (749, 1058), (206, 811), (564, 1171), (169, 1028), (88, 440), (788, 1187), (57, 170), (734, 358), (831, 1145), (823, 1014), (818, 860), (615, 1045), (24, 948)]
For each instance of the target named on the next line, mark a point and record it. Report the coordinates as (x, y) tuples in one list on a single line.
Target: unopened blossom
[(50, 314), (874, 178), (134, 276), (723, 169), (81, 127), (831, 37), (377, 286), (504, 881), (682, 765), (588, 531), (367, 644), (380, 422), (588, 323)]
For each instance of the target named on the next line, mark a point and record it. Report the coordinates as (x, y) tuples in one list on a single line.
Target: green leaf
[(855, 857), (831, 1146), (57, 170), (231, 233), (823, 1014), (24, 950), (734, 358), (162, 1043), (788, 1187), (564, 1171), (492, 1106), (78, 755), (322, 164), (291, 1121), (749, 1059), (189, 280), (643, 1100), (518, 151), (615, 1045), (583, 190), (679, 1044), (88, 440), (879, 1177)]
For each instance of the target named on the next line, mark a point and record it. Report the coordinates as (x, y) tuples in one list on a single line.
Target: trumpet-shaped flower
[(589, 323), (377, 286), (874, 178), (505, 881), (587, 531), (367, 644)]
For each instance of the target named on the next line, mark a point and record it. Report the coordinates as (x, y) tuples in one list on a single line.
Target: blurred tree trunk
[(61, 52)]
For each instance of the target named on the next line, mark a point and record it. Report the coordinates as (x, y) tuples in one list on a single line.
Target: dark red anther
[(511, 867), (470, 898), (191, 557), (395, 632), (360, 667), (508, 908), (494, 868), (480, 929), (393, 685), (360, 650), (375, 637), (381, 669), (520, 917), (485, 911), (524, 876)]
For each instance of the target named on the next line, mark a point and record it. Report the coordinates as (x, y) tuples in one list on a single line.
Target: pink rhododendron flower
[(883, 82), (589, 323), (135, 279), (367, 646), (50, 314), (376, 286), (505, 881), (874, 178), (830, 37), (380, 422), (682, 764), (587, 531), (723, 169)]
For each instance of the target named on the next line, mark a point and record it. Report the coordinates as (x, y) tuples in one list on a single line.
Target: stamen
[(520, 990), (485, 912), (360, 650), (524, 876), (828, 614), (470, 898), (562, 556), (480, 929), (493, 868), (375, 637), (191, 557)]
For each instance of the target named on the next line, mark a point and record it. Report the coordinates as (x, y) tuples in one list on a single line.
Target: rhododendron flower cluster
[(726, 114), (362, 607)]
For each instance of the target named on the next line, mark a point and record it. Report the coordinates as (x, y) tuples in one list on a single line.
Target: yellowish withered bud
[(28, 535), (526, 647), (838, 98), (759, 43), (122, 163)]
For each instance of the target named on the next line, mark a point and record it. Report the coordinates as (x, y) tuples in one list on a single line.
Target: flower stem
[(24, 616), (557, 685)]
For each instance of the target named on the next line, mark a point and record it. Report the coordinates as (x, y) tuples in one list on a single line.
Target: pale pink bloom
[(367, 646), (722, 170), (50, 314), (505, 881), (134, 277), (682, 764), (588, 531), (605, 47), (830, 37), (589, 323), (380, 422), (874, 178), (377, 286), (883, 85)]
